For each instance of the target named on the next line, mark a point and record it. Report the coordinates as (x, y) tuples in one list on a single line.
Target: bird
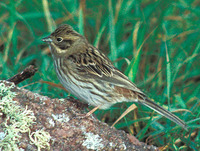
[(89, 75)]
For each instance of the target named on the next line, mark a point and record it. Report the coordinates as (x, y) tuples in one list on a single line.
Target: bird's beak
[(47, 39)]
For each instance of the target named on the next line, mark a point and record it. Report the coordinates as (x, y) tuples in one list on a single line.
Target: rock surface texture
[(63, 122)]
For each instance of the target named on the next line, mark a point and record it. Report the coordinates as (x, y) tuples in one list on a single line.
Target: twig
[(25, 74)]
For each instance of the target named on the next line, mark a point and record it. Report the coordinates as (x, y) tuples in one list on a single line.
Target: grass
[(155, 43)]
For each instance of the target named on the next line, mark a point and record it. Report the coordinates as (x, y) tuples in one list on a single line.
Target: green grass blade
[(81, 21), (50, 23), (10, 33), (113, 46), (168, 69), (98, 37)]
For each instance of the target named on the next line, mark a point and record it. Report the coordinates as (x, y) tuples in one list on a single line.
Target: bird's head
[(65, 41)]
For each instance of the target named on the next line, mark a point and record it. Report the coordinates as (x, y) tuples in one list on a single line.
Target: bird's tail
[(164, 112)]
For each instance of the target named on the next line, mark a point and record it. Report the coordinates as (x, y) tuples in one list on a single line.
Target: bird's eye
[(59, 39)]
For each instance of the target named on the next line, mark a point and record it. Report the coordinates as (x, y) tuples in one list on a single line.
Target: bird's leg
[(92, 111), (88, 114), (132, 107)]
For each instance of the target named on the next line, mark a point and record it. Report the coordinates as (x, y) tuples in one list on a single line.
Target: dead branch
[(25, 74)]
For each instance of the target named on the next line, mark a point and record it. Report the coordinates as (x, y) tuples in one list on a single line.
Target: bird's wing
[(92, 63)]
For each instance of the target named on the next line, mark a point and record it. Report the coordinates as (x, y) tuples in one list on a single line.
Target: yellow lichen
[(41, 139), (18, 121)]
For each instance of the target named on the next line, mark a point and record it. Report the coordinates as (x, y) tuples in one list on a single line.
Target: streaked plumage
[(89, 75)]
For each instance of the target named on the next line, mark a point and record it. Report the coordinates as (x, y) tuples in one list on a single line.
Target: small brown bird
[(89, 75)]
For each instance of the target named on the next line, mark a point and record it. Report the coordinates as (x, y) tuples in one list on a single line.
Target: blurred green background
[(156, 43)]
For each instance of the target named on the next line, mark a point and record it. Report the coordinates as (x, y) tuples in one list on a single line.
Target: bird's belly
[(79, 89), (93, 93), (87, 92)]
